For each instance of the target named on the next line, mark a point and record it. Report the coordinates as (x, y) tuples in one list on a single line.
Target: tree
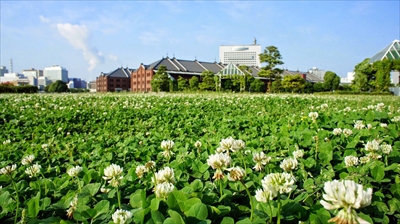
[(272, 57), (318, 87), (182, 84), (295, 83), (382, 75), (194, 83), (256, 85), (160, 81), (364, 76), (208, 82), (58, 87), (331, 81), (276, 86)]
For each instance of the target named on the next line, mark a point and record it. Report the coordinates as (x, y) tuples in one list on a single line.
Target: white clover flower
[(74, 171), (324, 106), (28, 160), (8, 141), (236, 174), (263, 195), (313, 116), (396, 119), (162, 190), (33, 170), (351, 161), (72, 206), (359, 125), (383, 125), (45, 146), (141, 170), (8, 169), (121, 216), (165, 175), (380, 107), (104, 190), (289, 164), (348, 195), (238, 145), (364, 159), (278, 182), (219, 161), (337, 131), (150, 165), (167, 145), (372, 146), (347, 109), (374, 155), (369, 126), (298, 153), (347, 132), (113, 173), (386, 149), (197, 144), (226, 144), (261, 160), (59, 129)]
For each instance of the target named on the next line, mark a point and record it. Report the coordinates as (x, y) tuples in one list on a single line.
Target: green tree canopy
[(331, 81), (208, 82), (295, 83), (272, 57), (57, 87), (364, 75), (382, 75), (160, 81), (182, 84), (194, 83)]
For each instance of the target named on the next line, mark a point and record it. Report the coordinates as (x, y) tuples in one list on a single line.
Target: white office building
[(32, 73), (3, 70), (241, 54), (55, 73), (348, 79)]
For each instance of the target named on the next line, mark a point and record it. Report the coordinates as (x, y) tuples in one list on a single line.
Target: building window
[(117, 85), (118, 80), (111, 85), (111, 80)]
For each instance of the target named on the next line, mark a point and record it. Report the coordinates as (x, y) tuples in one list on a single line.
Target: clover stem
[(119, 198), (279, 209), (16, 199), (270, 209), (251, 201)]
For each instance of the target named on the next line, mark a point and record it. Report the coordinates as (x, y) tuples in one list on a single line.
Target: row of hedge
[(354, 93), (18, 89)]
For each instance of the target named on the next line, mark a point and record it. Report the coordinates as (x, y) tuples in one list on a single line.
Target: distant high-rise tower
[(11, 66)]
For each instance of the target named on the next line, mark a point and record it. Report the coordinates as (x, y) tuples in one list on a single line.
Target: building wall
[(240, 54), (111, 84), (3, 70), (141, 80), (55, 73)]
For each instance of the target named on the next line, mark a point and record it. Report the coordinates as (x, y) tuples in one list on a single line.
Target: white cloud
[(44, 19), (77, 36), (113, 57), (150, 38)]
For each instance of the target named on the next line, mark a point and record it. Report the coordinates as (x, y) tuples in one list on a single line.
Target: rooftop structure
[(391, 52)]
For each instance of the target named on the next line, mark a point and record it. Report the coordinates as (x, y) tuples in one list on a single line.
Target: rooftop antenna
[(255, 41), (167, 54), (173, 55)]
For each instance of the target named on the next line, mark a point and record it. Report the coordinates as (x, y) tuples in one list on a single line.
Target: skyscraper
[(55, 73)]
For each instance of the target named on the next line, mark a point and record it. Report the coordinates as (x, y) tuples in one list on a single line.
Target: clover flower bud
[(72, 206), (351, 161), (74, 171), (347, 132), (197, 144), (337, 131), (289, 164), (141, 170), (113, 173), (313, 116), (28, 160), (263, 195), (121, 216), (33, 170), (236, 174), (165, 175), (298, 154), (162, 190), (386, 149), (372, 146), (8, 169), (167, 144), (278, 182), (150, 165), (359, 125)]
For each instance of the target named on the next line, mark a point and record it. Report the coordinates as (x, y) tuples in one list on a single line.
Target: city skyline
[(88, 38)]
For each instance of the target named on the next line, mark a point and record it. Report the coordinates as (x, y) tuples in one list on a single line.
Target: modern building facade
[(115, 81), (32, 73), (3, 70), (77, 83), (241, 54), (391, 52), (55, 73)]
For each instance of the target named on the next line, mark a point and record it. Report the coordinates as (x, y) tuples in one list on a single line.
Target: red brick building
[(141, 77), (115, 81)]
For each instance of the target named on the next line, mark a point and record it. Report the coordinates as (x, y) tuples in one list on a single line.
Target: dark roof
[(309, 76), (186, 66), (120, 73)]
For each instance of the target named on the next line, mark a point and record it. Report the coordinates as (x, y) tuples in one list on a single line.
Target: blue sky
[(90, 37)]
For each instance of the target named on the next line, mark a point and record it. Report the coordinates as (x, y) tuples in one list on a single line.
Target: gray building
[(3, 70), (55, 73)]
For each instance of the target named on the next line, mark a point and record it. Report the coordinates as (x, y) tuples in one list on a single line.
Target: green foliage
[(194, 83), (182, 84), (57, 87), (208, 82), (7, 88), (160, 80), (272, 57), (95, 130), (258, 86), (276, 86), (331, 81), (382, 75), (364, 75), (293, 83)]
